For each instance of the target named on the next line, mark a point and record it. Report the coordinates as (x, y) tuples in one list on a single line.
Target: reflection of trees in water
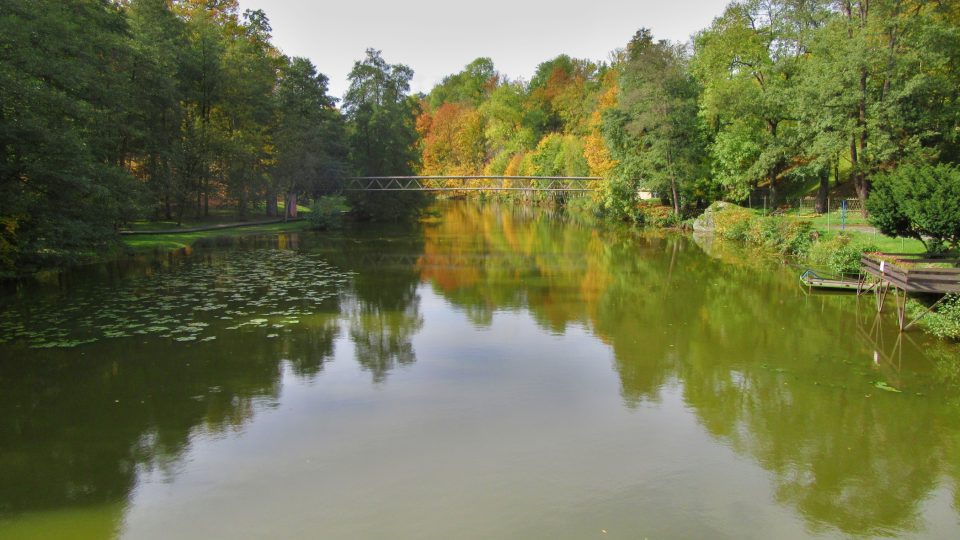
[(382, 304), (749, 354), (382, 338), (75, 430), (308, 351)]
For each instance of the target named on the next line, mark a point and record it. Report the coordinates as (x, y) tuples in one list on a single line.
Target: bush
[(945, 321), (921, 202), (781, 235), (658, 215), (388, 205), (327, 212), (733, 223), (776, 234), (619, 200), (840, 254)]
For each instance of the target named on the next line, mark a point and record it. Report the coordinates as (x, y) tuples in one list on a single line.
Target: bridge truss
[(474, 183)]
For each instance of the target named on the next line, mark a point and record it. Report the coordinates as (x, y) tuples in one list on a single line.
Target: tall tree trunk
[(823, 191), (291, 205), (676, 197), (271, 203), (242, 204), (854, 164), (863, 186)]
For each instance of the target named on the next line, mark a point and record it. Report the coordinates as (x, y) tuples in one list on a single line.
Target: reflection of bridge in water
[(474, 183)]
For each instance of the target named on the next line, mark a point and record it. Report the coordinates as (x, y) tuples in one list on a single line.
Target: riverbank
[(810, 243), (154, 240)]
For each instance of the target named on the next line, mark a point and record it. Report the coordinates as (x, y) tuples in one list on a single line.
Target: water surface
[(500, 373)]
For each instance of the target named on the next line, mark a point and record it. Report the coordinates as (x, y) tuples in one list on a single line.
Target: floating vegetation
[(265, 289)]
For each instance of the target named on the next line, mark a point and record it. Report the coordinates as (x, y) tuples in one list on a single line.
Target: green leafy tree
[(310, 138), (880, 86), (655, 132), (244, 114), (508, 129), (66, 128), (919, 201), (381, 120), (203, 88), (746, 62), (159, 48), (469, 87)]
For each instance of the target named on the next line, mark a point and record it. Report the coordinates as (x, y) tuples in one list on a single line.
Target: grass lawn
[(883, 243), (857, 226)]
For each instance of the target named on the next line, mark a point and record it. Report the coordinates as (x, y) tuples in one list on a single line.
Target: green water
[(500, 373)]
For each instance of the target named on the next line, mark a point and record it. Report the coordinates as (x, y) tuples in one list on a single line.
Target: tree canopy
[(113, 111)]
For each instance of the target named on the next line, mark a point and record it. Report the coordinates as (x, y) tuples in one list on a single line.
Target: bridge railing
[(473, 183)]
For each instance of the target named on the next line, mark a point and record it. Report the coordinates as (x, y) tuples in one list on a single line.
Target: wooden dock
[(812, 280), (909, 274)]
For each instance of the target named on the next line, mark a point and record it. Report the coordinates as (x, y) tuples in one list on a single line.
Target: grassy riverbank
[(178, 240), (818, 242)]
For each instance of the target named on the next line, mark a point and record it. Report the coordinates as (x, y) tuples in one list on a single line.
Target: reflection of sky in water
[(485, 426), (501, 430)]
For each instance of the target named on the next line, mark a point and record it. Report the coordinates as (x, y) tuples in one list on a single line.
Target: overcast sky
[(438, 37)]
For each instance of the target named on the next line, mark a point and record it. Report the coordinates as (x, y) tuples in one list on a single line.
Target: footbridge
[(474, 183)]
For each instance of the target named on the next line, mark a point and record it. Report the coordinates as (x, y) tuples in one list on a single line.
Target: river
[(496, 372)]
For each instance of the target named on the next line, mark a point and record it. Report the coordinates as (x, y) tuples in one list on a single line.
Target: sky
[(438, 37)]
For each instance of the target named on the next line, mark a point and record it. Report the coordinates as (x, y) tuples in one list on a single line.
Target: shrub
[(780, 235), (945, 321), (658, 215), (921, 202), (388, 205), (620, 200), (327, 212), (733, 223), (776, 234), (839, 254)]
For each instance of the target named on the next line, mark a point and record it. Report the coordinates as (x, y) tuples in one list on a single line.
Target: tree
[(65, 128), (919, 201), (382, 132), (452, 140), (159, 47), (309, 138), (469, 87), (882, 82), (655, 133), (746, 62), (559, 94), (244, 113)]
